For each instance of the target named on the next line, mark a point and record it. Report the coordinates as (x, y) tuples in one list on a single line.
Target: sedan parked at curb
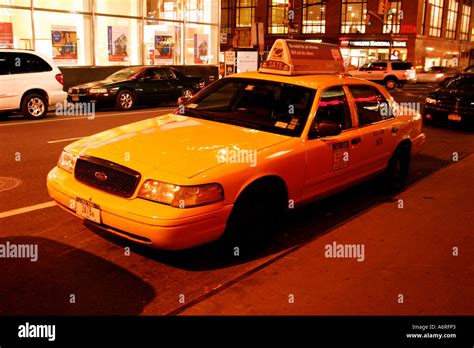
[(134, 86)]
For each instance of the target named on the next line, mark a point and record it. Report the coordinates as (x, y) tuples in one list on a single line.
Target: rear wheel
[(396, 173), (34, 106), (125, 101)]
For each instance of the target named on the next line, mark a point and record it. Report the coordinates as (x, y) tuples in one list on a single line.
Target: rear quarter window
[(401, 66), (25, 63)]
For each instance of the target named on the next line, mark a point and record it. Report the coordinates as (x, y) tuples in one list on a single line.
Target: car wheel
[(254, 219), (34, 106), (391, 83), (125, 101), (187, 93), (397, 170)]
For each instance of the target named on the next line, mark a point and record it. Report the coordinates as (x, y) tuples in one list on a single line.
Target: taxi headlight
[(67, 161), (181, 196), (430, 100)]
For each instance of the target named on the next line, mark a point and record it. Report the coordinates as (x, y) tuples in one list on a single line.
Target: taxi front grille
[(106, 176)]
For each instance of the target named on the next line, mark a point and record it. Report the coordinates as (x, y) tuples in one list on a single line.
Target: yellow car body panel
[(183, 150)]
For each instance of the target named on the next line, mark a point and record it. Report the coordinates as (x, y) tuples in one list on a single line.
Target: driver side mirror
[(325, 129)]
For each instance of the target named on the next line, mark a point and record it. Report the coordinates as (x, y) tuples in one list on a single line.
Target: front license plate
[(75, 98), (88, 210), (454, 117)]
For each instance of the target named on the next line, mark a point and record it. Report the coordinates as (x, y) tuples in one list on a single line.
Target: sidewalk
[(408, 253)]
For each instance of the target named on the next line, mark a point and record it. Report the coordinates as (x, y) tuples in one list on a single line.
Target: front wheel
[(125, 101), (188, 93), (34, 106), (396, 173)]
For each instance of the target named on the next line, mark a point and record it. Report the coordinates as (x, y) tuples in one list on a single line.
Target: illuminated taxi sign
[(296, 57)]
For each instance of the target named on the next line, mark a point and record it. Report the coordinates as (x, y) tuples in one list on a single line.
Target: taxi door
[(332, 161), (377, 125)]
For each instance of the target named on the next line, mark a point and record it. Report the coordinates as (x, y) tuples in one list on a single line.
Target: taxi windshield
[(257, 104)]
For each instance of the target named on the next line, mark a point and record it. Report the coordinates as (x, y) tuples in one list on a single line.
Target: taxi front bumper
[(142, 221)]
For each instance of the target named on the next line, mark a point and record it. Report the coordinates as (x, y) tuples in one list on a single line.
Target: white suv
[(29, 82), (391, 73)]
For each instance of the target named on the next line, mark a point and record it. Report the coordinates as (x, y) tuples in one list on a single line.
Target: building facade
[(425, 32), (104, 33)]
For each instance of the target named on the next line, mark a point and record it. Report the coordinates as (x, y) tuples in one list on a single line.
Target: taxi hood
[(176, 144)]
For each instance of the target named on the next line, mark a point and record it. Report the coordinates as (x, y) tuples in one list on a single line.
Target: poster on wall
[(6, 35), (64, 44), (164, 49), (201, 49), (117, 39), (247, 61)]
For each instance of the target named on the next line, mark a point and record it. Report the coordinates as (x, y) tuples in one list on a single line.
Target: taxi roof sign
[(298, 57)]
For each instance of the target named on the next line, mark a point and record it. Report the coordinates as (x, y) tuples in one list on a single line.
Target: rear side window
[(25, 63), (401, 65), (5, 64), (370, 104), (333, 107)]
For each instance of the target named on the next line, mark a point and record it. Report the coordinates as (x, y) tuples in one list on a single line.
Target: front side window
[(462, 82), (333, 107), (124, 74), (353, 16), (256, 104), (371, 105)]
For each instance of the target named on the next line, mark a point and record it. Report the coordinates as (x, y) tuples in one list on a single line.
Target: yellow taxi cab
[(231, 160)]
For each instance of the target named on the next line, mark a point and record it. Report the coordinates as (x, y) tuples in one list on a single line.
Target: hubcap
[(35, 107), (126, 100), (390, 84), (187, 93)]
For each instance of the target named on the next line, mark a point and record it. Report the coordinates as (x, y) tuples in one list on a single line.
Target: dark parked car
[(453, 102), (144, 85)]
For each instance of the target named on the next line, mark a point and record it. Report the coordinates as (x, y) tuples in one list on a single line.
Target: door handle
[(395, 130), (356, 140)]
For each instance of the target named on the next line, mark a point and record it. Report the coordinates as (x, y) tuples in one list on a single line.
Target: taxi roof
[(314, 81)]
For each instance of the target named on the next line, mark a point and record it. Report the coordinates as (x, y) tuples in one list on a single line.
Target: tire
[(396, 174), (254, 219), (187, 92), (34, 106), (390, 83), (125, 100)]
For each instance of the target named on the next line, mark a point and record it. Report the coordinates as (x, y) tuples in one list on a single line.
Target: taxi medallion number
[(88, 210)]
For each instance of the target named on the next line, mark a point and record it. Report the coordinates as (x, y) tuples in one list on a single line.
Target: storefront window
[(15, 28), (200, 44), (391, 21), (245, 12), (353, 16), (314, 17), (116, 40), (26, 3), (118, 7), (277, 14), (436, 17), (202, 11), (164, 9), (465, 20), (163, 43), (453, 7), (64, 37), (75, 5)]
